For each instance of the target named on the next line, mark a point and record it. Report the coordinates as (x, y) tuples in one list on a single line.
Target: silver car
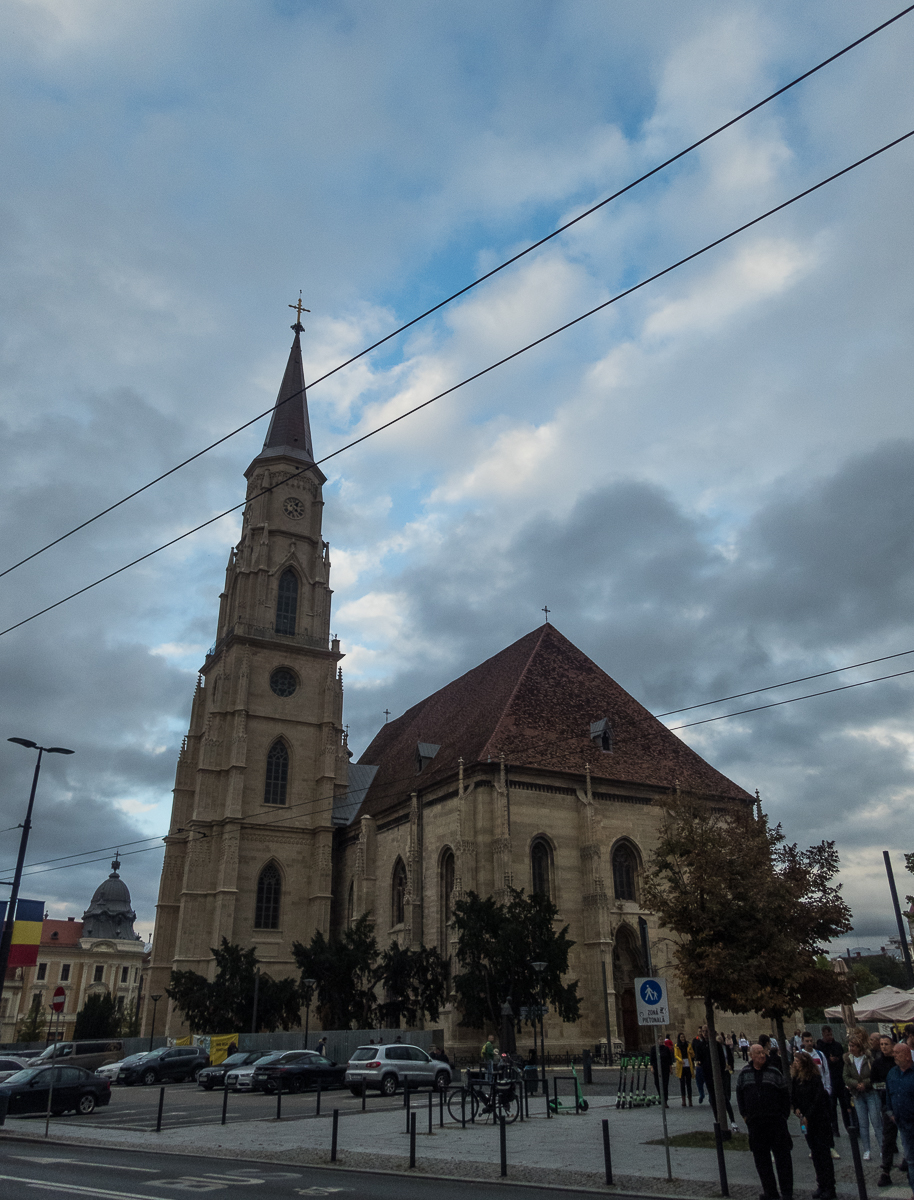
[(387, 1068), (241, 1079)]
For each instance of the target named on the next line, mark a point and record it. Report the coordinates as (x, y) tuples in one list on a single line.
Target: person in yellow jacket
[(685, 1067)]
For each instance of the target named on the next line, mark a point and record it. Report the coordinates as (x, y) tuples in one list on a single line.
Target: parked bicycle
[(490, 1099)]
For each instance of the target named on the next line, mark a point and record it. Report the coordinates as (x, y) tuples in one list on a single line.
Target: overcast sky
[(710, 484)]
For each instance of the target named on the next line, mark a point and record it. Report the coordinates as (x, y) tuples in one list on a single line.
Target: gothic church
[(534, 770)]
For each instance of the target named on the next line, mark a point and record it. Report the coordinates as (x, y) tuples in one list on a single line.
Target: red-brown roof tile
[(534, 702), (68, 933)]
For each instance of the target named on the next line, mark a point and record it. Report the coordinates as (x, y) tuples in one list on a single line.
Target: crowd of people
[(870, 1083)]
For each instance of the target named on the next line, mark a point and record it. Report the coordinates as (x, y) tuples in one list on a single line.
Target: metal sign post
[(653, 1009)]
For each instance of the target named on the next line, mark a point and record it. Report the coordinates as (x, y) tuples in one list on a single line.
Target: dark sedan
[(213, 1077), (69, 1088), (305, 1072)]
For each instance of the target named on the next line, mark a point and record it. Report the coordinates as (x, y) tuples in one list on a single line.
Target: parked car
[(295, 1075), (112, 1070), (387, 1068), (90, 1055), (74, 1088), (175, 1062), (10, 1064), (241, 1079), (212, 1077)]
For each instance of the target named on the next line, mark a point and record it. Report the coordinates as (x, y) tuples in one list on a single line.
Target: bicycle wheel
[(457, 1106), (507, 1105)]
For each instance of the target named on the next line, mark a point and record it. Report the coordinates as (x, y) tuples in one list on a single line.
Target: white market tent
[(887, 1004)]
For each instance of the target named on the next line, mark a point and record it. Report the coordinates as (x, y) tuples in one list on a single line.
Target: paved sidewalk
[(563, 1151)]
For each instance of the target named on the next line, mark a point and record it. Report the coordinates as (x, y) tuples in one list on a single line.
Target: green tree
[(496, 945), (129, 1017), (98, 1017), (33, 1025), (414, 982), (888, 971), (226, 1005)]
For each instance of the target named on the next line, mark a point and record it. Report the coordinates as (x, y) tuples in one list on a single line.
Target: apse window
[(601, 734), (266, 911), (541, 867), (625, 870), (283, 682)]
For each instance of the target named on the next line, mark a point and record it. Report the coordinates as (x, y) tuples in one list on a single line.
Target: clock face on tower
[(293, 508)]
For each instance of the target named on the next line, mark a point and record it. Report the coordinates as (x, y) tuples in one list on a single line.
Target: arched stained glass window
[(625, 868), (540, 862), (398, 894), (287, 602), (269, 886), (277, 777)]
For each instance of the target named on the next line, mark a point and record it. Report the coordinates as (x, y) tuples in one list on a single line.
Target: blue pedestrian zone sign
[(651, 998)]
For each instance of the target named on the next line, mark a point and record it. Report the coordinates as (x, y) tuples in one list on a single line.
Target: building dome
[(110, 914)]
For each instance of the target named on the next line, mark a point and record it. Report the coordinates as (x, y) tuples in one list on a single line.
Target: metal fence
[(340, 1042)]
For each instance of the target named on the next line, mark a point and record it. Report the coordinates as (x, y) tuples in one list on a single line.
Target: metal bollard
[(224, 1103), (364, 1094), (333, 1135), (279, 1102), (430, 1112), (853, 1132), (412, 1140), (587, 1066), (607, 1157), (161, 1106), (548, 1102), (317, 1103), (503, 1146), (407, 1106), (463, 1108), (441, 1109), (519, 1092)]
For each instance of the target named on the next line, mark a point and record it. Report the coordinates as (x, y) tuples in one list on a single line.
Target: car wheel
[(356, 1091), (86, 1104), (148, 1077), (389, 1085), (296, 1083), (442, 1079), (208, 1086), (270, 1086), (195, 1074)]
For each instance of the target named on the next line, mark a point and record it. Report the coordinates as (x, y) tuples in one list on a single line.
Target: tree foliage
[(496, 944), (226, 1005), (887, 971), (350, 970), (99, 1017), (32, 1026)]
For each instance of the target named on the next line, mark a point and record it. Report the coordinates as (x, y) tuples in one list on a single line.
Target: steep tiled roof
[(68, 933), (534, 702)]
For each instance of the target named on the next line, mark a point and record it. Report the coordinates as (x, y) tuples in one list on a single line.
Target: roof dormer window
[(601, 734), (425, 752)]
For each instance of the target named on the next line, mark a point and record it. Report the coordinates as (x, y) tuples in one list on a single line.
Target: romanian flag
[(26, 932)]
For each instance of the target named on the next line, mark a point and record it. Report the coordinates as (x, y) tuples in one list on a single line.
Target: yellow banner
[(219, 1046), (185, 1041)]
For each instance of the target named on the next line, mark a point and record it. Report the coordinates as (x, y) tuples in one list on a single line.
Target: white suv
[(387, 1068)]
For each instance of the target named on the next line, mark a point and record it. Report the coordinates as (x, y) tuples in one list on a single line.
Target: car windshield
[(46, 1054), (268, 1058), (131, 1059), (23, 1076), (364, 1053)]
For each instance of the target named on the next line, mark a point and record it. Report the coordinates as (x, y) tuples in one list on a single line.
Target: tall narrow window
[(277, 779), (287, 602), (266, 911), (625, 867), (539, 866), (350, 906), (398, 894), (447, 897)]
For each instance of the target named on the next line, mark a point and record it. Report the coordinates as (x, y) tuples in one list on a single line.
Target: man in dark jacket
[(833, 1052), (763, 1097), (900, 1102), (883, 1062)]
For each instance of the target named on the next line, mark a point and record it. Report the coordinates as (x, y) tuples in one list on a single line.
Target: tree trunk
[(782, 1040), (716, 1071)]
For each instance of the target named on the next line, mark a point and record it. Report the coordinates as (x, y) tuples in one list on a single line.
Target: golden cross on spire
[(299, 308)]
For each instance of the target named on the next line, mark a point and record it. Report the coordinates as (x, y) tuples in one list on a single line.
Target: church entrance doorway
[(626, 967)]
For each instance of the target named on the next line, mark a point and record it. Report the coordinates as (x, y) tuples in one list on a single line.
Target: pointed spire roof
[(535, 702), (289, 435)]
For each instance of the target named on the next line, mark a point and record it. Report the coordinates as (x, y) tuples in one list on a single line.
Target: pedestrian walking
[(770, 1046), (763, 1098), (833, 1052), (858, 1065), (883, 1062), (685, 1068), (811, 1104), (900, 1102), (322, 1046), (744, 1047), (487, 1054)]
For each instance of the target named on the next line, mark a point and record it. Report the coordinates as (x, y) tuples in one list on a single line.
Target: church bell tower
[(248, 855)]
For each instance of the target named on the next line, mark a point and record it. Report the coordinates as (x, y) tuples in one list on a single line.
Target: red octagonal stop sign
[(60, 997)]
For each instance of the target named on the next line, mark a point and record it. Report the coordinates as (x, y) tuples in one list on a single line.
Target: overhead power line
[(476, 282), (471, 378)]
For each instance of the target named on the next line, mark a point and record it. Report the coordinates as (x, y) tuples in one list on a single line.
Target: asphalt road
[(140, 1175)]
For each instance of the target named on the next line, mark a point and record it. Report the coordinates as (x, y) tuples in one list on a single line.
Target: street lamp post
[(152, 1028), (540, 967), (308, 986), (7, 940)]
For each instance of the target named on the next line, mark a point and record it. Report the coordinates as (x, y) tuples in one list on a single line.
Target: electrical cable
[(772, 686), (471, 378), (777, 703), (476, 282)]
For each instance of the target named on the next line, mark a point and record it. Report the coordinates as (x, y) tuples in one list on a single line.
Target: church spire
[(289, 435)]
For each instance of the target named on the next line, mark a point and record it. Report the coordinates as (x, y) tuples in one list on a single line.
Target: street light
[(152, 1028), (308, 986), (7, 940), (540, 967)]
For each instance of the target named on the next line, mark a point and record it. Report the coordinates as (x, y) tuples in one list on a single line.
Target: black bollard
[(336, 1124), (607, 1157), (463, 1108), (430, 1113), (853, 1132), (317, 1104), (503, 1145), (161, 1106), (518, 1091), (224, 1103), (406, 1102), (441, 1109), (587, 1066), (412, 1140), (721, 1164), (364, 1094), (279, 1102)]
